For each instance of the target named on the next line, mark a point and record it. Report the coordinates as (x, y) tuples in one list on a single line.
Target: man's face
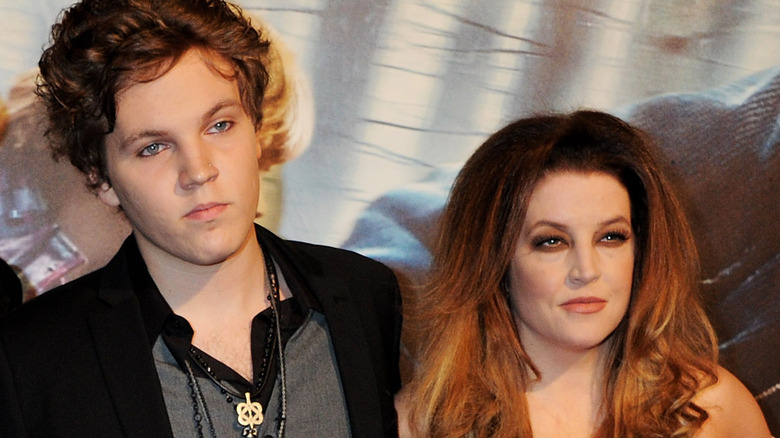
[(182, 162)]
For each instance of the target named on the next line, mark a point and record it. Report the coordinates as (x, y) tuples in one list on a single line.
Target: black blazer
[(76, 361)]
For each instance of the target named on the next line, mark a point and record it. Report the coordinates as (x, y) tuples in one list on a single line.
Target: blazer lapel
[(129, 371), (126, 358), (353, 352), (352, 356)]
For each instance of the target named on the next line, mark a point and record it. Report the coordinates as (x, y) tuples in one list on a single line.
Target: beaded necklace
[(249, 414), (771, 390)]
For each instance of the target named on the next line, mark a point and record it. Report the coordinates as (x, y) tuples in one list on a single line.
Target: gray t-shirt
[(315, 400)]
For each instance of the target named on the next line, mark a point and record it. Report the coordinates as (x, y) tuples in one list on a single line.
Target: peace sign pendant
[(250, 414)]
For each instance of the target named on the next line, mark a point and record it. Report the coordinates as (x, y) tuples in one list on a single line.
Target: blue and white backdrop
[(404, 90)]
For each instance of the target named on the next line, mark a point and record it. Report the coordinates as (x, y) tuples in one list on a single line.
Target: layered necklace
[(248, 413)]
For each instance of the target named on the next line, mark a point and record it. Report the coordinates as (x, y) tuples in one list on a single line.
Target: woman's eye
[(152, 149), (615, 237), (548, 242)]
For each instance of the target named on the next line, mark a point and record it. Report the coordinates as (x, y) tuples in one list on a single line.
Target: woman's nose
[(585, 266)]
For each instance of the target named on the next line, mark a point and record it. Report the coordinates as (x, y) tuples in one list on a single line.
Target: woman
[(563, 298)]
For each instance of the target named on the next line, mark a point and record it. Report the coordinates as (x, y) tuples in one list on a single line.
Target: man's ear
[(107, 195)]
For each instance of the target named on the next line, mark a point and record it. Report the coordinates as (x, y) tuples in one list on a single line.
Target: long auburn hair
[(471, 370)]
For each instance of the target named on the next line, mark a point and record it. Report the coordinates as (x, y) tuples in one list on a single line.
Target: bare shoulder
[(402, 408), (732, 409)]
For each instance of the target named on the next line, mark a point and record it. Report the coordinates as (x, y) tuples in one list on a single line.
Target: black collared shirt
[(176, 331)]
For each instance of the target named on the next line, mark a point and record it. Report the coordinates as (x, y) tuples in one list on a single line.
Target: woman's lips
[(585, 305), (206, 212)]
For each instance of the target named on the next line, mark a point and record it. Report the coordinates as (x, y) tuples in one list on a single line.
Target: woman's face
[(571, 273)]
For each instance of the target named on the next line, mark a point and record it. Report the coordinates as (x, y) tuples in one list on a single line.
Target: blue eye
[(152, 149), (221, 126)]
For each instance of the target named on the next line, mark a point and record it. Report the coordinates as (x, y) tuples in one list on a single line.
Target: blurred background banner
[(403, 92)]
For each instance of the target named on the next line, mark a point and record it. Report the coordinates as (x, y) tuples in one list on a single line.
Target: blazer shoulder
[(325, 260), (338, 258), (366, 279), (62, 303)]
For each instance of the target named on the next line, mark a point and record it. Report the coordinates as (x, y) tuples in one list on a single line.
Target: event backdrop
[(404, 90)]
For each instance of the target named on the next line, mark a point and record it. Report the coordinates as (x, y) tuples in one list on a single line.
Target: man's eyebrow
[(151, 133), (127, 141), (219, 106)]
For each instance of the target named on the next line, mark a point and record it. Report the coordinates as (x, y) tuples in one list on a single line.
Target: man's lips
[(205, 212), (585, 305)]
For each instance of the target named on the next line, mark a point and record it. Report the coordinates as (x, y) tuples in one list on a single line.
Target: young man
[(203, 324)]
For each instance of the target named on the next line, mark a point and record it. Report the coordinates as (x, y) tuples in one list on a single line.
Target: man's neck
[(219, 301), (230, 287)]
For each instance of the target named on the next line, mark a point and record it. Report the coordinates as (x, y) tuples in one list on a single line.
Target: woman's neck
[(569, 391)]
